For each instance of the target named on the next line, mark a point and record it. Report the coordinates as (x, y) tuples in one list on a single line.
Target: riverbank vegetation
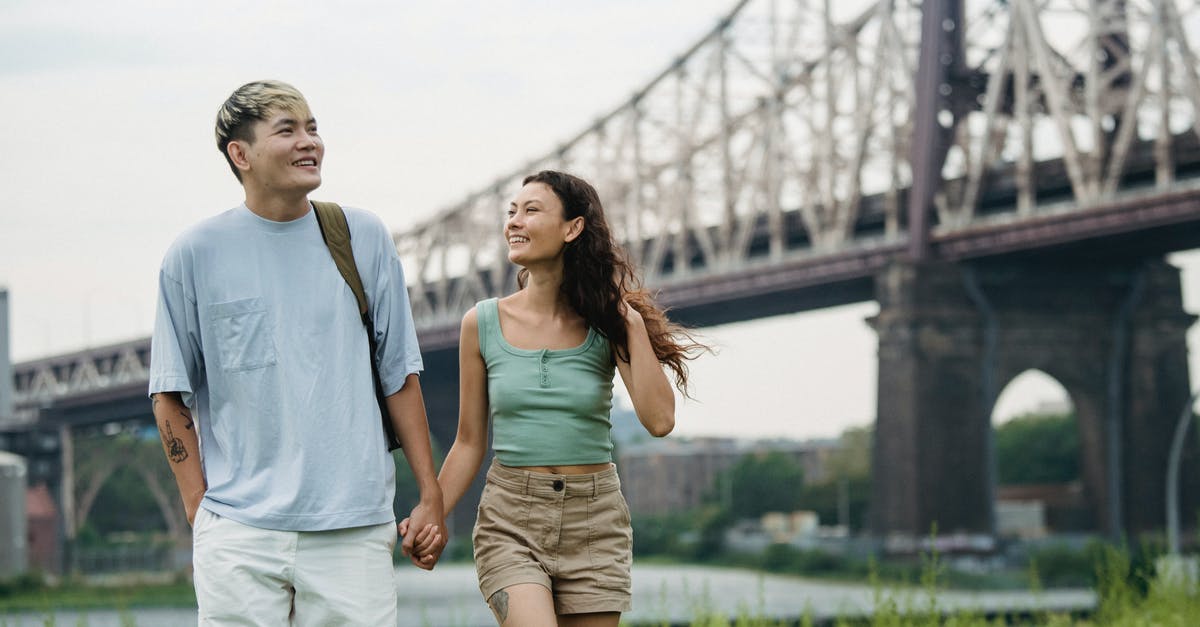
[(1128, 595), (31, 593)]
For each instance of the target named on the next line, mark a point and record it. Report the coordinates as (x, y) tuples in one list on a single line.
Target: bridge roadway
[(108, 383), (981, 117)]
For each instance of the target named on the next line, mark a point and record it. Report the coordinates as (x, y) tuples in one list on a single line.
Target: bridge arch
[(100, 458), (1113, 334), (1038, 456)]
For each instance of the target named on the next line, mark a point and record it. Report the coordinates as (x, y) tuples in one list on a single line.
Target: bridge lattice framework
[(803, 143)]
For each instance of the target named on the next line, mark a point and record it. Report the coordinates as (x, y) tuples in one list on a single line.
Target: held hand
[(423, 547), (424, 541)]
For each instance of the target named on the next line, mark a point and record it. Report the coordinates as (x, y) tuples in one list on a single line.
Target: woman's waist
[(534, 479), (565, 469)]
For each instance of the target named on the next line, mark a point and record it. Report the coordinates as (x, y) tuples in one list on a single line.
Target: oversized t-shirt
[(262, 336)]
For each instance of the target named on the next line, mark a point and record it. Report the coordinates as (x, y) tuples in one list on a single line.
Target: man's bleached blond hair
[(249, 103)]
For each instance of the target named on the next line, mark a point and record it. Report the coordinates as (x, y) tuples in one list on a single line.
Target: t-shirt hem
[(303, 522), (169, 384), (393, 383)]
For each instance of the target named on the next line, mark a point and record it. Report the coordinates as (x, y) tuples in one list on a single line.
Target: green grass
[(84, 597), (1130, 595)]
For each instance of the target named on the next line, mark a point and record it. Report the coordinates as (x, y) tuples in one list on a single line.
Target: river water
[(449, 597)]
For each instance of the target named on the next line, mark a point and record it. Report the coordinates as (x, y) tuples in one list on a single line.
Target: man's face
[(286, 153)]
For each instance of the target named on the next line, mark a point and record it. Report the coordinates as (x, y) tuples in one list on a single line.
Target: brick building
[(671, 475)]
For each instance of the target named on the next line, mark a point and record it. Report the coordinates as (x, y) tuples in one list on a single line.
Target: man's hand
[(407, 408), (424, 535)]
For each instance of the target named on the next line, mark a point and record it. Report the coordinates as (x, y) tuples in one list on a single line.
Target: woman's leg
[(595, 619), (524, 605)]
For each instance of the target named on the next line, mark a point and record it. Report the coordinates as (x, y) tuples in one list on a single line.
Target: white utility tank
[(13, 532)]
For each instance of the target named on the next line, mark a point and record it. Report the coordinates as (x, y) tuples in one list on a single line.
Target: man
[(263, 392)]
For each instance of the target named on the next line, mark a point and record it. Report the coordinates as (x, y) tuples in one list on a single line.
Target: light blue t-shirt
[(259, 331)]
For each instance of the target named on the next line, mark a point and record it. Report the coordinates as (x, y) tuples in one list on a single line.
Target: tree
[(852, 459), (1037, 448), (761, 483), (125, 484)]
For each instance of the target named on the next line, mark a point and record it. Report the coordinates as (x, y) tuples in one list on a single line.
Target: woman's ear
[(576, 229)]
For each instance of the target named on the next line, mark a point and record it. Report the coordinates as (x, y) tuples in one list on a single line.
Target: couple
[(264, 393)]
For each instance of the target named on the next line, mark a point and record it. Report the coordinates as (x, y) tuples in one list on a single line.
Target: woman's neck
[(543, 291)]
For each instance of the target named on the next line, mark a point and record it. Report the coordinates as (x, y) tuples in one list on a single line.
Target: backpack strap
[(336, 233)]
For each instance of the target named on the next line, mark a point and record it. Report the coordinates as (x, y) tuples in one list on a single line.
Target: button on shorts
[(569, 533)]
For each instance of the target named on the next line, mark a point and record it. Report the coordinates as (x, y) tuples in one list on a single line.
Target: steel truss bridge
[(801, 148)]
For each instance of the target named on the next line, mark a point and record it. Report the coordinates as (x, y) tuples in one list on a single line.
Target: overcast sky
[(107, 117)]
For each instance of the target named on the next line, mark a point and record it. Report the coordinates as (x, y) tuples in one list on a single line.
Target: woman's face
[(535, 229)]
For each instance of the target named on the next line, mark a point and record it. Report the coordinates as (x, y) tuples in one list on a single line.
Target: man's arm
[(182, 446), (407, 408)]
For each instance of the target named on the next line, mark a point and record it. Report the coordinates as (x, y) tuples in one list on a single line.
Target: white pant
[(265, 578)]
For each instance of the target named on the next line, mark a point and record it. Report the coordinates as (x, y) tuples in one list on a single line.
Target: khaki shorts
[(569, 533)]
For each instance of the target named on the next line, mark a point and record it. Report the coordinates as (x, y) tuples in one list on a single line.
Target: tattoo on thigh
[(499, 605)]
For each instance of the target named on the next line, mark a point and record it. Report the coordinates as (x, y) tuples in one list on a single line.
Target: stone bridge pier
[(1112, 332)]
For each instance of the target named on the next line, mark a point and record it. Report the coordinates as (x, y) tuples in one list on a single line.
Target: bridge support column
[(931, 435), (1158, 389), (1113, 333)]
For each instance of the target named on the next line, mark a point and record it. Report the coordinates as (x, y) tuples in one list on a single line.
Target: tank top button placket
[(545, 372)]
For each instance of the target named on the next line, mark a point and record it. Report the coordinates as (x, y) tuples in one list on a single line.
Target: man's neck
[(276, 207)]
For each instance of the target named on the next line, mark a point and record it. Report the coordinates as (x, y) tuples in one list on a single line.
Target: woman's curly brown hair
[(597, 278)]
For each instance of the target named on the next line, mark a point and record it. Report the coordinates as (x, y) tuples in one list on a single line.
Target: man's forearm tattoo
[(175, 450), (499, 605), (188, 417)]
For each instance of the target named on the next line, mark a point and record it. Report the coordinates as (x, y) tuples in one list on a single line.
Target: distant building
[(626, 429), (675, 474), (45, 553)]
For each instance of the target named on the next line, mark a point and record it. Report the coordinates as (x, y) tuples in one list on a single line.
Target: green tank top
[(547, 407)]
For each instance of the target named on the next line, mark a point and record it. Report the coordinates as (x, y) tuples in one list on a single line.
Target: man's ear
[(236, 150), (576, 228)]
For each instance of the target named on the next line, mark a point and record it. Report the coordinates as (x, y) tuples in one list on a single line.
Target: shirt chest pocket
[(242, 333)]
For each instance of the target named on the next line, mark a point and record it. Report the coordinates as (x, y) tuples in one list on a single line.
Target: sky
[(107, 117)]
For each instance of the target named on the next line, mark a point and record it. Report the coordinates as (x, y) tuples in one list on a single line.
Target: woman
[(553, 543)]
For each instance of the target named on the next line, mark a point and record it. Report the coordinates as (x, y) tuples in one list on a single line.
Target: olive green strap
[(336, 233)]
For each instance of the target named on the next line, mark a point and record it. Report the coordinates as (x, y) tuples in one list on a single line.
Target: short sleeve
[(397, 352), (175, 356)]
